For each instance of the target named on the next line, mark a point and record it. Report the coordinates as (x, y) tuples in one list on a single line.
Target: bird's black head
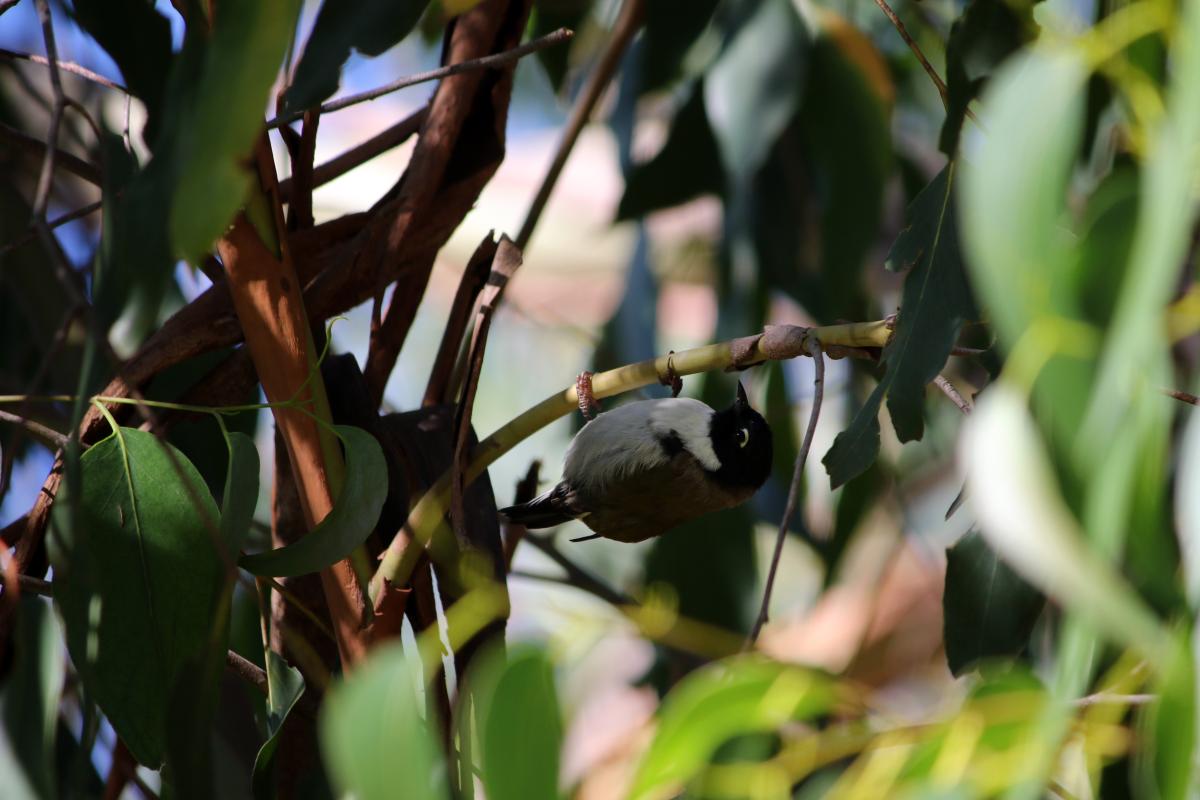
[(741, 439)]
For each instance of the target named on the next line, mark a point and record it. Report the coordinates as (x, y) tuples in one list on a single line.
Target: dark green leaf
[(29, 701), (138, 581), (241, 491), (987, 32), (989, 610), (369, 28), (721, 701), (855, 449), (224, 117), (752, 91), (549, 16), (138, 39), (847, 143), (687, 166), (348, 524), (672, 28), (372, 734), (285, 685), (518, 694), (935, 304)]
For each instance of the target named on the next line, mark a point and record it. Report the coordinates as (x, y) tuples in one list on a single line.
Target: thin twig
[(814, 349), (70, 216), (916, 50), (247, 670), (36, 147), (1108, 698), (486, 62), (5, 5), (576, 575), (625, 28), (1183, 397), (943, 383), (36, 428), (66, 66)]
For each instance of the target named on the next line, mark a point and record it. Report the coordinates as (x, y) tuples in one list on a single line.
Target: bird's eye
[(742, 436)]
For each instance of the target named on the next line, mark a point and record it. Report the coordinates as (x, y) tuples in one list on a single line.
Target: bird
[(646, 467)]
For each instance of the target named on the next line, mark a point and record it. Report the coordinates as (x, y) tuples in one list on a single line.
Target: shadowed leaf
[(347, 525), (989, 610), (369, 28), (29, 702), (138, 582), (285, 685)]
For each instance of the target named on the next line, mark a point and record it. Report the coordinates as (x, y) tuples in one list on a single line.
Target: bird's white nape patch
[(625, 440), (691, 421)]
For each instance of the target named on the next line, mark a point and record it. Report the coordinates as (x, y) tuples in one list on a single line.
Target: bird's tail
[(544, 511)]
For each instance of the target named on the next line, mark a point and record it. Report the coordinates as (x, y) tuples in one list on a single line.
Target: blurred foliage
[(1032, 231)]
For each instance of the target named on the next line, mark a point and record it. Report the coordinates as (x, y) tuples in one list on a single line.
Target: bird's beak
[(742, 400)]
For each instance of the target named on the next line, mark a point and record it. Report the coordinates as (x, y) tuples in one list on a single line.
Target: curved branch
[(778, 342)]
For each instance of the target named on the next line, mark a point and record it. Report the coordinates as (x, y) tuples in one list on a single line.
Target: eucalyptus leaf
[(285, 685), (223, 120), (347, 525), (718, 702), (29, 701), (138, 582), (369, 28), (241, 491), (373, 737), (989, 610), (517, 694)]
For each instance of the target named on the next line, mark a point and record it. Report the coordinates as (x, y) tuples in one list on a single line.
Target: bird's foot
[(672, 378), (588, 405)]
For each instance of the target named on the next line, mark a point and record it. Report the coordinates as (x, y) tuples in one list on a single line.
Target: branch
[(576, 575), (778, 342), (246, 670), (36, 428), (70, 216), (943, 383), (1183, 397), (66, 66), (486, 62), (626, 27), (789, 509), (37, 148)]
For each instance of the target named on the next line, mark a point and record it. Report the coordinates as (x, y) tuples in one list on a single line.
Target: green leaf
[(138, 582), (846, 140), (989, 610), (518, 694), (285, 685), (29, 701), (1013, 192), (687, 166), (369, 28), (1014, 494), (224, 118), (1167, 766), (752, 91), (549, 16), (714, 704), (241, 491), (373, 737), (935, 304), (348, 524), (987, 32), (673, 31), (138, 39), (854, 450)]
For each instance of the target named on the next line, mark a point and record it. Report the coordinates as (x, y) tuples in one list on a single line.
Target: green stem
[(780, 342)]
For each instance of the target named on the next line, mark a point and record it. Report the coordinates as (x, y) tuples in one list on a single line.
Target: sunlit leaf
[(518, 694), (989, 610), (213, 172), (347, 525), (369, 28), (1014, 495), (138, 582), (718, 702), (1168, 763), (373, 736)]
